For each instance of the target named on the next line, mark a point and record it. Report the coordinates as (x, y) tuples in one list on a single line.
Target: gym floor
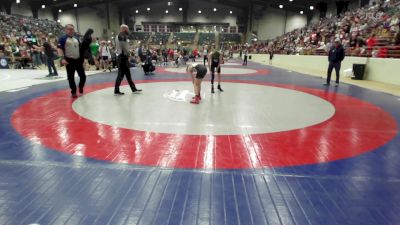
[(276, 147)]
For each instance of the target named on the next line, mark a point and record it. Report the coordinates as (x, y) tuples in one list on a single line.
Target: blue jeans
[(36, 59), (50, 65), (337, 70)]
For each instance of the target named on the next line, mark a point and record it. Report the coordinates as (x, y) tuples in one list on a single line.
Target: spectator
[(371, 42), (165, 56), (48, 50), (31, 40), (397, 38), (94, 49), (383, 52), (271, 56), (105, 56), (335, 58), (353, 41), (246, 52), (7, 50)]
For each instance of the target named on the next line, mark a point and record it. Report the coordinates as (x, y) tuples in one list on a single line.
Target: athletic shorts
[(201, 71), (105, 58), (213, 66)]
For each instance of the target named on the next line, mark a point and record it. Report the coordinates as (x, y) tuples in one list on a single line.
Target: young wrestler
[(214, 63), (197, 72)]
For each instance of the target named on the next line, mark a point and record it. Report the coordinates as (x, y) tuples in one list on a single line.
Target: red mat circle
[(356, 128)]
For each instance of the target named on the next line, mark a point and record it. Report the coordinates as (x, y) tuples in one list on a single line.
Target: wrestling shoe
[(196, 96), (195, 101)]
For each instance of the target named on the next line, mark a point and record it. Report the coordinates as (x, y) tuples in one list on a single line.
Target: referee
[(69, 50), (122, 50)]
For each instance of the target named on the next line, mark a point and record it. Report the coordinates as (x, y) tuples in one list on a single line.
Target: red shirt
[(371, 42), (383, 53)]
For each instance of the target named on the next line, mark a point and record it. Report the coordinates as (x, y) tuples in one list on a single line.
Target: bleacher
[(14, 45), (394, 52), (206, 38), (140, 36), (160, 38), (386, 44), (184, 38), (20, 24), (226, 38)]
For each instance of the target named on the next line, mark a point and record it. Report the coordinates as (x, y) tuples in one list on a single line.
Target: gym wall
[(275, 22), (377, 69)]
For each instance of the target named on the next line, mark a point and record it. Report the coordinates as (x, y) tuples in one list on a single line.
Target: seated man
[(133, 61), (148, 66)]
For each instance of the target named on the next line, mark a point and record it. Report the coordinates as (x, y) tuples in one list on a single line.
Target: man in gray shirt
[(122, 50)]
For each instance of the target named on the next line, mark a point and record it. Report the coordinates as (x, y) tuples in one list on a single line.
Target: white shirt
[(105, 51)]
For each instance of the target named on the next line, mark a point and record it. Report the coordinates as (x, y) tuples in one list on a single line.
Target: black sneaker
[(326, 84), (337, 85), (220, 89), (119, 93), (212, 90), (81, 90), (74, 95), (137, 90)]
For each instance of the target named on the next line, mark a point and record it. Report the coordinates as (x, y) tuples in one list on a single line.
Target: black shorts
[(201, 71), (213, 66), (105, 58)]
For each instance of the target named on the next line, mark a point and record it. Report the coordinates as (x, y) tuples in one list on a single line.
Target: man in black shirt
[(165, 56), (140, 54), (48, 50), (35, 54), (335, 57), (271, 56), (214, 63), (122, 47)]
